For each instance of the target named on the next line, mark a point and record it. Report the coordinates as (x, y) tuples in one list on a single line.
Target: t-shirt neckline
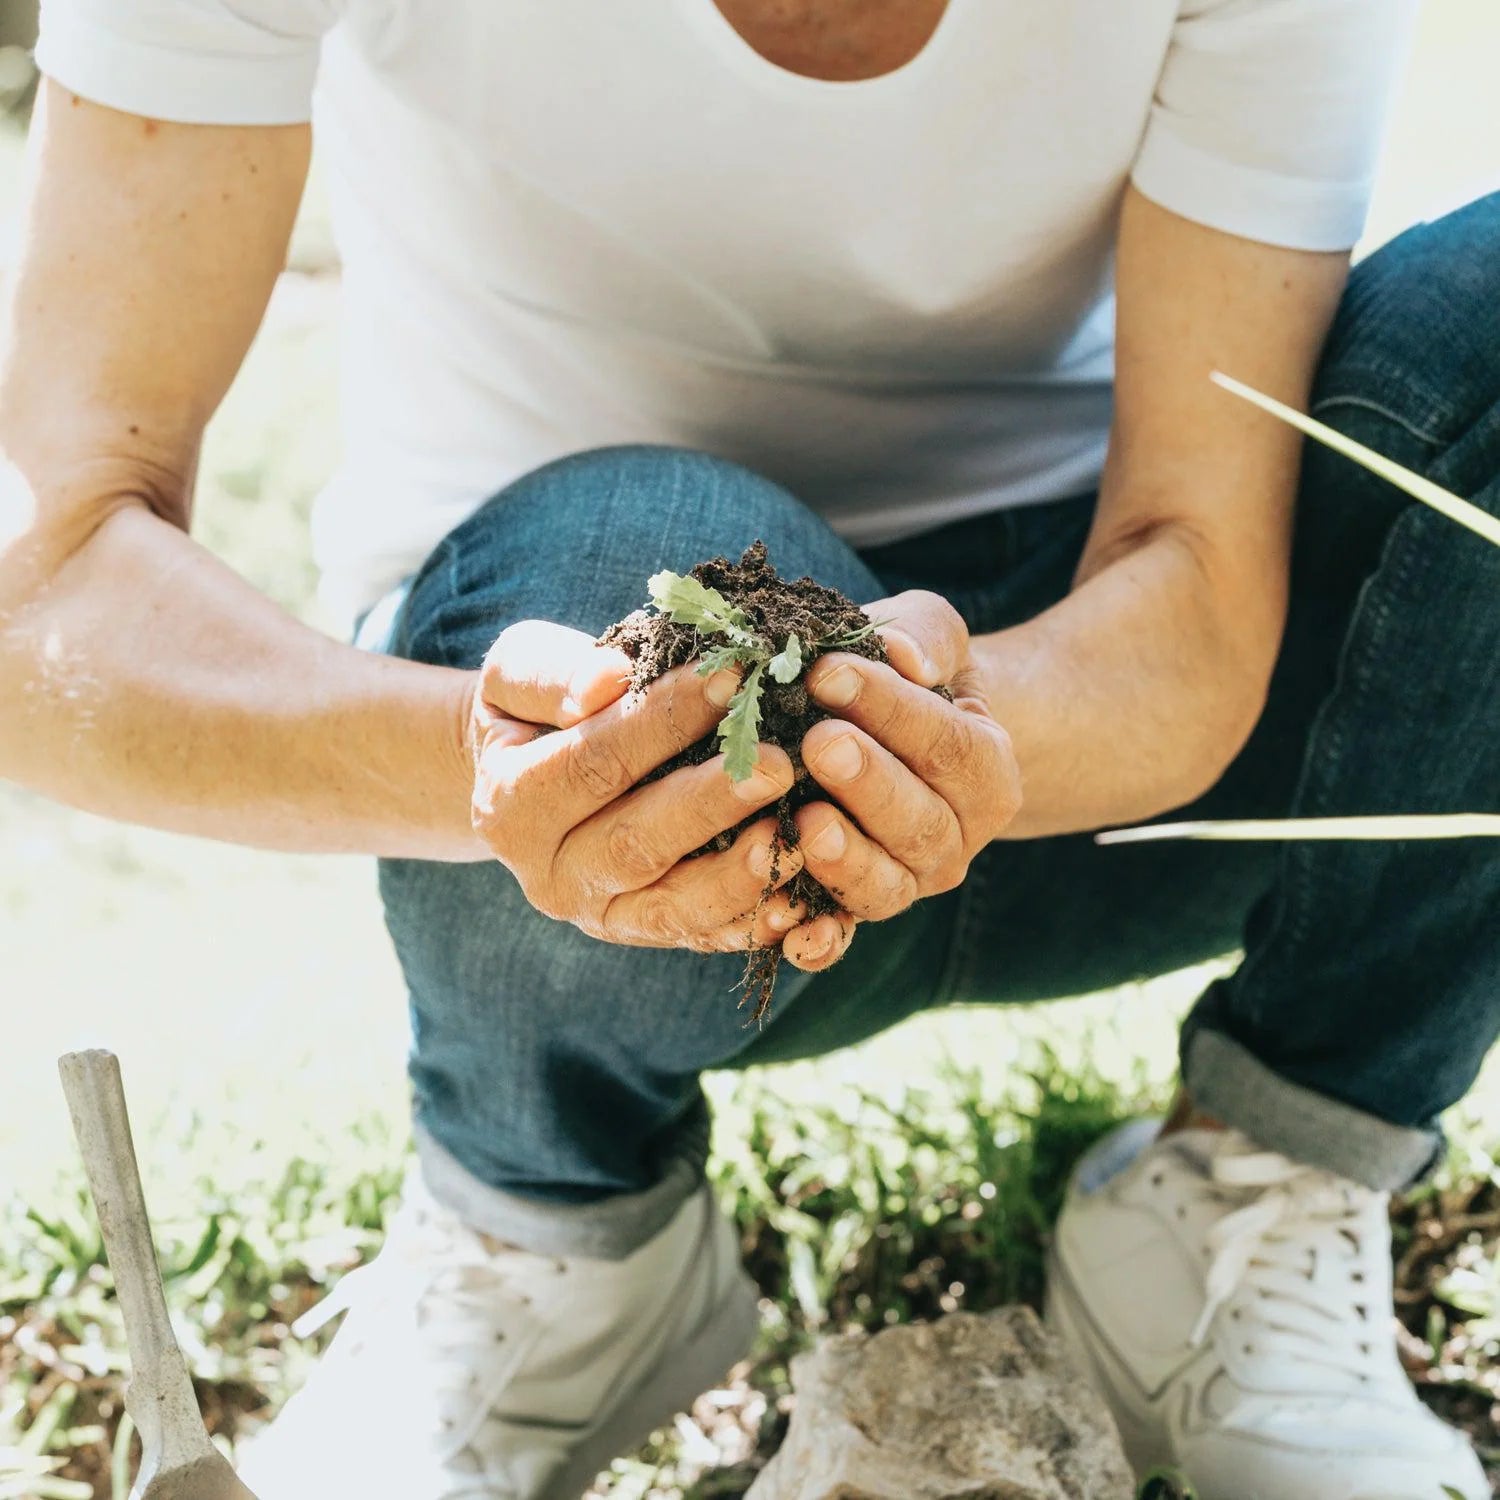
[(709, 21)]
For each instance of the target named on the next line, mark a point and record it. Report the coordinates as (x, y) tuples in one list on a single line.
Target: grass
[(259, 1014), (859, 1209)]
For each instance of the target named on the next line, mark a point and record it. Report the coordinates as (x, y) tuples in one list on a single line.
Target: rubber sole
[(677, 1379), (1145, 1447)]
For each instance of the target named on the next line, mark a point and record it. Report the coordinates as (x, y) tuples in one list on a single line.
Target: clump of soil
[(775, 608)]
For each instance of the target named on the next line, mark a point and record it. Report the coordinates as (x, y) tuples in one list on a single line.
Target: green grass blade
[(1462, 511), (1408, 826)]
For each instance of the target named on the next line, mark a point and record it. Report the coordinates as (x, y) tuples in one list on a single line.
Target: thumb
[(925, 637), (551, 674)]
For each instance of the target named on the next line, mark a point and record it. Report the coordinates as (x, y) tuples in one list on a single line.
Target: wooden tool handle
[(160, 1396)]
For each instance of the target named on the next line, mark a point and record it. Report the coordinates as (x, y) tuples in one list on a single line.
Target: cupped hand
[(918, 784), (565, 812)]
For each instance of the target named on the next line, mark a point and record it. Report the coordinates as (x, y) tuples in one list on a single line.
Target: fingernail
[(829, 844), (782, 920), (927, 672), (720, 688), (758, 787), (839, 688), (817, 948), (842, 759), (762, 856)]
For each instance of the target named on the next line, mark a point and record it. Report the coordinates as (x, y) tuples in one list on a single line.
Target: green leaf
[(1452, 1493), (717, 658), (685, 601), (786, 665), (739, 729)]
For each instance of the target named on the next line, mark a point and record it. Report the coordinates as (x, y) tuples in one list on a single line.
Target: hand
[(564, 813), (928, 783)]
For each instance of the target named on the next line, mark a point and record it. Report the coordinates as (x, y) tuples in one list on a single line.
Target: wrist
[(455, 759), (991, 674)]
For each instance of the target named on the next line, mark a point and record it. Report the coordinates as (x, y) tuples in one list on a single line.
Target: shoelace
[(1299, 1245), (474, 1317)]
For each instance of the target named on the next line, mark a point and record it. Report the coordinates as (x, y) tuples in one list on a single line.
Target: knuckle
[(947, 876), (659, 918), (901, 892), (630, 850), (596, 769), (893, 719), (933, 835), (951, 752), (939, 622), (948, 620), (547, 898)]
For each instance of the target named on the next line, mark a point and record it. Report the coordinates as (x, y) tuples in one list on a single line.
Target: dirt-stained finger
[(638, 838), (821, 943), (925, 636), (712, 894), (963, 755), (852, 867), (555, 783), (901, 814)]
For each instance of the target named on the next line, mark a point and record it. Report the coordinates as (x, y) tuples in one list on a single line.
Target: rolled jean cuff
[(1228, 1081), (612, 1228)]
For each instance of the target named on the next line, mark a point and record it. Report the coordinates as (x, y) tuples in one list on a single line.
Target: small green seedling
[(740, 647)]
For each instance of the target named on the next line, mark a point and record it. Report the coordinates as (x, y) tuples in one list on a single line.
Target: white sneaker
[(1234, 1309), (466, 1372)]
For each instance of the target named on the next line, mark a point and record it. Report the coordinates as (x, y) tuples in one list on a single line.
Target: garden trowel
[(179, 1461)]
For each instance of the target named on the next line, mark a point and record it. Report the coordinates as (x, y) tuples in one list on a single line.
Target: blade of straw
[(1410, 826), (1462, 511)]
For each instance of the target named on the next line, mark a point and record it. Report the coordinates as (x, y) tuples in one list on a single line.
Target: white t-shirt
[(568, 223)]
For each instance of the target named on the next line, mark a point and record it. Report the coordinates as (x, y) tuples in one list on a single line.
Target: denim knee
[(576, 540), (1414, 343), (546, 1063)]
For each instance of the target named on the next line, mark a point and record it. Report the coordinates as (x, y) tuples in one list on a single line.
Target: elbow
[(1227, 718)]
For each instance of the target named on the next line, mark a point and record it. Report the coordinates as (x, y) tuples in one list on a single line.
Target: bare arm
[(141, 678), (1133, 694)]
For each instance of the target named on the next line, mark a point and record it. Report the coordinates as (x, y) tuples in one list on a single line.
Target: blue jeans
[(556, 1077)]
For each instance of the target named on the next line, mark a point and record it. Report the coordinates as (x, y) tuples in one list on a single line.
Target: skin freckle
[(150, 127)]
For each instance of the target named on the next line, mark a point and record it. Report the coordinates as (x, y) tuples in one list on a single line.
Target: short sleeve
[(1269, 116), (209, 62)]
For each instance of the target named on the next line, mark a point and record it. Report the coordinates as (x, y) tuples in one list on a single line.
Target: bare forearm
[(1129, 697), (146, 681)]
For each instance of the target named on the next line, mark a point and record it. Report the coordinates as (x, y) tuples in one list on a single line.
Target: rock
[(968, 1408)]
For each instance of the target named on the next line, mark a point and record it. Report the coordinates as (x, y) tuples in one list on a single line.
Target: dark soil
[(777, 608)]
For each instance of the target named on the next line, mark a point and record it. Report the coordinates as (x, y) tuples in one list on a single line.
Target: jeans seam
[(1369, 624), (1363, 403)]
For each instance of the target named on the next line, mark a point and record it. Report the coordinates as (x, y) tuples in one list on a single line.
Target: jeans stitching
[(1364, 649), (1363, 403)]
